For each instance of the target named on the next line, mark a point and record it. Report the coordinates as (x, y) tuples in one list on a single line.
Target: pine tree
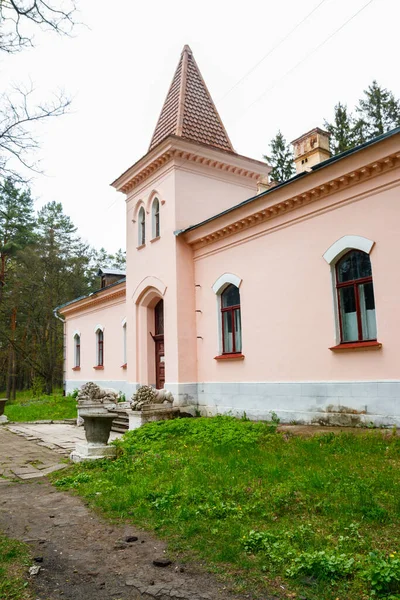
[(341, 130), (378, 111), (281, 159), (16, 224)]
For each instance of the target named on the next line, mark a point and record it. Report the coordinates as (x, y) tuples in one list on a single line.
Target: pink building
[(245, 296)]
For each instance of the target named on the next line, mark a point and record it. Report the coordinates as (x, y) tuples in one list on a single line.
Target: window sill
[(374, 345), (141, 247), (76, 368), (124, 366), (155, 239), (236, 356), (99, 367)]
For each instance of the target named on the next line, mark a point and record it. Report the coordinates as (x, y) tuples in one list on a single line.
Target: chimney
[(311, 149)]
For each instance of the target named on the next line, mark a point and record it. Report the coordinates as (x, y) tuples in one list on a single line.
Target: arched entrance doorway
[(159, 344)]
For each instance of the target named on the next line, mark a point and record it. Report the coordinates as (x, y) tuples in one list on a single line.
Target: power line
[(270, 51), (305, 58)]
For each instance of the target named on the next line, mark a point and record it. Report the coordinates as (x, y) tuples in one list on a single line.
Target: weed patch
[(14, 561), (319, 515)]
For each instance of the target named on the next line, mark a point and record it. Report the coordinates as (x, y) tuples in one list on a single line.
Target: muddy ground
[(82, 557)]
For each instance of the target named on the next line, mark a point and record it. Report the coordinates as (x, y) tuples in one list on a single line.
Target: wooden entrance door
[(159, 344), (160, 363)]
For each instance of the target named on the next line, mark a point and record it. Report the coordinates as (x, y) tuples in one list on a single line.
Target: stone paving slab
[(21, 458), (60, 437), (33, 450)]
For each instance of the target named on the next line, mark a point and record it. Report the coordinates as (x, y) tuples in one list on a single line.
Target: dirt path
[(82, 556)]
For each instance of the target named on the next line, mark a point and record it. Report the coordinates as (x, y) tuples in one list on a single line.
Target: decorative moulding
[(346, 243), (99, 328), (100, 297), (157, 163), (148, 283), (289, 204), (224, 280)]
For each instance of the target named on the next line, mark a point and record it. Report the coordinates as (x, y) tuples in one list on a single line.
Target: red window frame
[(354, 283), (100, 348), (231, 310)]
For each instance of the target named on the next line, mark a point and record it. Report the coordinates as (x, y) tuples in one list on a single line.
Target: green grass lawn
[(314, 518), (14, 562), (28, 408)]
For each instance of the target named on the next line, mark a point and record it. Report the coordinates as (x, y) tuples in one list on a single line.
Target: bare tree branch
[(18, 16), (18, 116)]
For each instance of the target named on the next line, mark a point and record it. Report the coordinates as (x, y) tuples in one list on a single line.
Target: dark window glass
[(354, 265), (230, 296), (356, 297)]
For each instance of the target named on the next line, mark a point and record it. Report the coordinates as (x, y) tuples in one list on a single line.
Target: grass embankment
[(28, 408), (317, 518), (14, 561)]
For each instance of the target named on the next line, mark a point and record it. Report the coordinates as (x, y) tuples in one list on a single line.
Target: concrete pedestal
[(3, 420), (97, 430), (89, 451)]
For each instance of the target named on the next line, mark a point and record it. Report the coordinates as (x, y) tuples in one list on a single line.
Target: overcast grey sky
[(118, 71)]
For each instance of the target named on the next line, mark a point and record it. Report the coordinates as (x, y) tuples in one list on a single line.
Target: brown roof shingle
[(189, 111)]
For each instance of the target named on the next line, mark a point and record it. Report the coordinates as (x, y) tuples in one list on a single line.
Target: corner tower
[(190, 173)]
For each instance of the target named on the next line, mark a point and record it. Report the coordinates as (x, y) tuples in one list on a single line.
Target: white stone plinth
[(135, 418), (90, 451), (3, 420)]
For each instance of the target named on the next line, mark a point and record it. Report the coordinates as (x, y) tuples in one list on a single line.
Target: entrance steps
[(121, 423)]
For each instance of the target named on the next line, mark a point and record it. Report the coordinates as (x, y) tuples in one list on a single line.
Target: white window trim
[(124, 333), (75, 336), (346, 243), (225, 280), (96, 330), (219, 286)]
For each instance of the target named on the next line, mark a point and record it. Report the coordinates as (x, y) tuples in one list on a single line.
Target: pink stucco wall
[(188, 192), (287, 301), (110, 316)]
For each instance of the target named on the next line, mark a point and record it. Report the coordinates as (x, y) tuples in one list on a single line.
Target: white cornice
[(291, 202), (177, 148)]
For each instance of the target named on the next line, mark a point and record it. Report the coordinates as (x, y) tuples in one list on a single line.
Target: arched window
[(124, 343), (77, 350), (155, 218), (230, 319), (142, 227), (355, 293), (100, 348)]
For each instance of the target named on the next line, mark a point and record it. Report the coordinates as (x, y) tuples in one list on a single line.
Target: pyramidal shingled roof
[(189, 111)]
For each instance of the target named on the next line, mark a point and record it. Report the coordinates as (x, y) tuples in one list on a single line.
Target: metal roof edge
[(91, 294), (320, 165)]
